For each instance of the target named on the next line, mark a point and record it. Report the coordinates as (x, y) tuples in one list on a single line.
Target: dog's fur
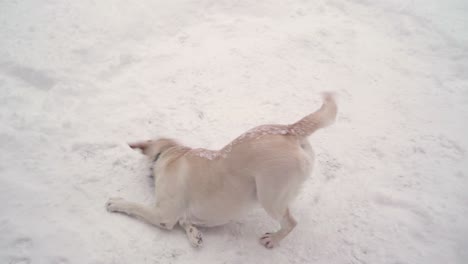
[(199, 187)]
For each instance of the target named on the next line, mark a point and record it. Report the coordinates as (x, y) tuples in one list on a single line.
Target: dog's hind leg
[(152, 215), (270, 240), (194, 235), (275, 192)]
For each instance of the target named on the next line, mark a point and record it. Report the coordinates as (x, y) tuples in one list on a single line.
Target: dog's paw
[(195, 237), (268, 240), (112, 204)]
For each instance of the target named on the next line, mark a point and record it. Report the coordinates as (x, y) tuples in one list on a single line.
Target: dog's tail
[(323, 117)]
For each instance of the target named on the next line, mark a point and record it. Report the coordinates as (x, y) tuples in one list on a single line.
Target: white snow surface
[(79, 79)]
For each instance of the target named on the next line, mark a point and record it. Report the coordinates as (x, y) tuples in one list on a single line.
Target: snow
[(251, 134), (79, 79), (260, 131), (205, 153)]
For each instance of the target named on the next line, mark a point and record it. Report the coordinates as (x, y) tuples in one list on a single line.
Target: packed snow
[(80, 79)]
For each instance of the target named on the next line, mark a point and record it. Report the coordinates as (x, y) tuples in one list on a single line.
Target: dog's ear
[(140, 145)]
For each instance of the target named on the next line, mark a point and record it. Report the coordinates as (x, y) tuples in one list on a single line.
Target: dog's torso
[(213, 187)]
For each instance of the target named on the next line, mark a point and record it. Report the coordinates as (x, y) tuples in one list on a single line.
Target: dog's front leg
[(194, 235), (148, 214)]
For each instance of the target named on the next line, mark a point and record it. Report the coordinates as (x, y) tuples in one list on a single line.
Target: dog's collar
[(157, 157), (154, 162)]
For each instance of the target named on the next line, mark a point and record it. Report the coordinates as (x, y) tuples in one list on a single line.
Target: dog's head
[(153, 148)]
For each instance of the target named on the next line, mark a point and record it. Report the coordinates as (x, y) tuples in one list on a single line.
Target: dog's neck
[(159, 155), (167, 150)]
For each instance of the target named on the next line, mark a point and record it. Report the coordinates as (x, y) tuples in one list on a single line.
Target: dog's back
[(268, 163)]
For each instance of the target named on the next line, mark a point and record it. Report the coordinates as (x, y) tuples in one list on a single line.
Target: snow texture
[(252, 134), (79, 79)]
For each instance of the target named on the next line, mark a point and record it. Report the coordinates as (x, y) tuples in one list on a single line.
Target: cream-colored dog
[(199, 187)]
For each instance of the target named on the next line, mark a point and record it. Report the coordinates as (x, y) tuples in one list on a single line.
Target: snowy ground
[(78, 79)]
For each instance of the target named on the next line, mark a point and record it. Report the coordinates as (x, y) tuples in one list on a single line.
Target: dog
[(203, 188)]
